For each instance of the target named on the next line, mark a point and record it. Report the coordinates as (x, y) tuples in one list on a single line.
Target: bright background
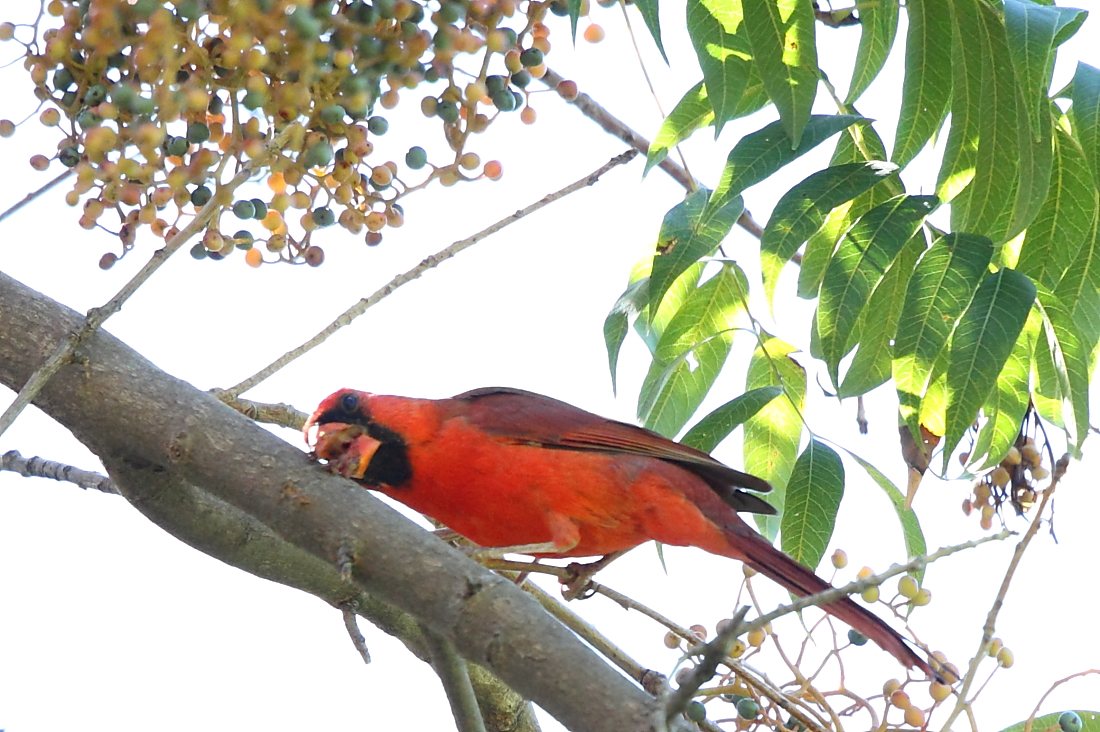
[(108, 623)]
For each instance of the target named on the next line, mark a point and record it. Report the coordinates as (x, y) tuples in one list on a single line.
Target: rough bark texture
[(180, 455)]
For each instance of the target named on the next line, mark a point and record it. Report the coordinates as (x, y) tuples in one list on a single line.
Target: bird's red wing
[(524, 417)]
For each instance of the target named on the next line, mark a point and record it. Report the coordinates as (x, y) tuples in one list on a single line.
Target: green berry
[(216, 104), (385, 8), (69, 156), (176, 146), (747, 709), (260, 209), (416, 158), (304, 25), (559, 8), (856, 638), (97, 93), (521, 79), (198, 132), (409, 29), (201, 196), (369, 46), (188, 10), (695, 711), (447, 111), (323, 217), (243, 240), (378, 125), (319, 155), (333, 115), (254, 99), (504, 101), (1070, 722), (199, 251), (451, 12), (243, 209), (88, 118), (63, 79), (530, 57), (494, 84)]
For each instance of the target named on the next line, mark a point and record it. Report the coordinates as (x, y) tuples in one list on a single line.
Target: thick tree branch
[(155, 433)]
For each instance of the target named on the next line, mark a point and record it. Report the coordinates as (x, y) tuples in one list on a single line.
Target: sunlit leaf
[(717, 426), (781, 33), (715, 28), (813, 498), (926, 88), (915, 545), (878, 22)]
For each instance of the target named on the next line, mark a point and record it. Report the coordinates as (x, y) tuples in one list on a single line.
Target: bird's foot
[(579, 582)]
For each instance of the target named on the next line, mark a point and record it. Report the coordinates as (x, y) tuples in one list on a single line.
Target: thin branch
[(37, 467), (429, 263), (352, 626), (97, 316), (453, 673), (1035, 712), (714, 653), (35, 194), (617, 128), (991, 619), (280, 414)]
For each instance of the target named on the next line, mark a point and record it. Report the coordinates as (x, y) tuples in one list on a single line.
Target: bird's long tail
[(769, 561)]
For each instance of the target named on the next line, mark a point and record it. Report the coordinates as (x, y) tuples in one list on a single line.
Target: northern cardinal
[(509, 468)]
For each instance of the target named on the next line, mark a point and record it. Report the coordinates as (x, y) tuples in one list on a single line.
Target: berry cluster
[(1012, 482), (161, 101)]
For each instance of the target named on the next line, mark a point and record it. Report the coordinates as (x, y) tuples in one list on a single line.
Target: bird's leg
[(447, 535), (498, 552), (578, 584)]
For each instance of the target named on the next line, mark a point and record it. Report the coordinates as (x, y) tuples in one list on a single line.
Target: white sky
[(107, 623)]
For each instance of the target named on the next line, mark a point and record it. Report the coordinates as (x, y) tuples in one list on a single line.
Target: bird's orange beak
[(347, 447)]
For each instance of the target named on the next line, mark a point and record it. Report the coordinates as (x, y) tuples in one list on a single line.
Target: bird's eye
[(350, 403)]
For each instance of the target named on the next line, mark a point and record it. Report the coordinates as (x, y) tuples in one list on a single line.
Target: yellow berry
[(900, 699), (914, 717), (870, 595), (1030, 455), (995, 646), (1012, 457), (890, 687), (469, 161), (939, 691), (738, 649), (1000, 476), (923, 597), (375, 221), (864, 573), (756, 638), (1039, 473), (1005, 658), (908, 587)]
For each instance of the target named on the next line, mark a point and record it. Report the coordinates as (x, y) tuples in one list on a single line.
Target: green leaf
[(717, 426), (648, 9), (723, 51), (1091, 722), (617, 322), (1007, 405), (1080, 285), (691, 113), (1032, 31), (812, 502), (1067, 351), (967, 48), (879, 322), (691, 352), (688, 233), (772, 435), (985, 207), (981, 345), (1036, 151), (859, 143), (1086, 114), (574, 8), (926, 87), (1065, 219), (649, 328), (915, 545), (759, 154), (802, 210), (939, 290), (781, 33), (879, 23), (859, 264)]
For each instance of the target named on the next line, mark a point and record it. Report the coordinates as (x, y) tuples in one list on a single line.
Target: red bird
[(508, 468)]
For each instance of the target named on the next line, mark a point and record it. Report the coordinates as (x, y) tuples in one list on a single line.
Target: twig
[(97, 316), (961, 701), (616, 127), (1034, 712), (35, 194), (37, 467), (714, 653), (280, 414), (453, 673), (354, 633), (428, 263)]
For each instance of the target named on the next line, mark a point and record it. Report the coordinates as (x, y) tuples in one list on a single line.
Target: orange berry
[(253, 258), (568, 90), (528, 116), (493, 170), (900, 699), (594, 33)]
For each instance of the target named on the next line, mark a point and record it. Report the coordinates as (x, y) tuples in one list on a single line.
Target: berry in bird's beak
[(347, 447)]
